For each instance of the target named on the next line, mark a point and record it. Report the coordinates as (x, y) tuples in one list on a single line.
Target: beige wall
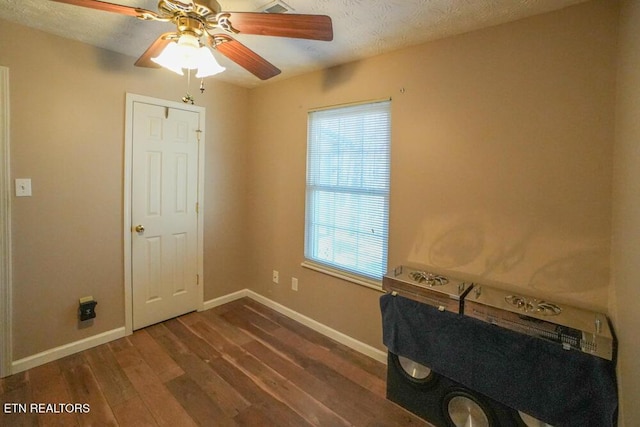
[(67, 135), (626, 212), (501, 164)]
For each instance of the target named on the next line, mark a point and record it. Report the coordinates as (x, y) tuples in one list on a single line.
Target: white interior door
[(164, 213)]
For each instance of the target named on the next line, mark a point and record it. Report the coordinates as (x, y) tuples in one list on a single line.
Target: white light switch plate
[(23, 187)]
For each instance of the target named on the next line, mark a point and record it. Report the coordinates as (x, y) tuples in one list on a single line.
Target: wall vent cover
[(276, 6)]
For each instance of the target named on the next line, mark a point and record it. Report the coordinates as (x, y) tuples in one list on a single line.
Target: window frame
[(359, 274)]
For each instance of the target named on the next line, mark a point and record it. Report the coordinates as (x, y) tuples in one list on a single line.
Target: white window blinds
[(347, 202)]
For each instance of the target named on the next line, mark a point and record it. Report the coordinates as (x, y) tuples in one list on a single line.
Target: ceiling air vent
[(276, 6)]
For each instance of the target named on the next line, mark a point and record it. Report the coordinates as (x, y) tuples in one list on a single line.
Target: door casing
[(6, 341), (128, 292)]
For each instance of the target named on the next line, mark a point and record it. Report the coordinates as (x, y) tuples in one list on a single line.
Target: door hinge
[(197, 207), (198, 132), (197, 279)]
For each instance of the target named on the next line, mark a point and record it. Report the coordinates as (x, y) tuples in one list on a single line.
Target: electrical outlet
[(87, 308), (294, 283), (276, 276)]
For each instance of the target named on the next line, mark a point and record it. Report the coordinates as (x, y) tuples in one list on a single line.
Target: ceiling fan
[(203, 23)]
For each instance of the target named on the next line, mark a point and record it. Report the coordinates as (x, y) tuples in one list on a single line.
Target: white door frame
[(6, 341), (128, 145)]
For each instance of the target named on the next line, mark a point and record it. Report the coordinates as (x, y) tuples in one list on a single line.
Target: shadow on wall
[(337, 76), (528, 258), (586, 269)]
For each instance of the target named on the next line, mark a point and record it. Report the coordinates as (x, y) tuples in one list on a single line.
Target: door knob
[(140, 228)]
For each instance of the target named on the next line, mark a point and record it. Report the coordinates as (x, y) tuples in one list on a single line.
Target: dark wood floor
[(240, 364)]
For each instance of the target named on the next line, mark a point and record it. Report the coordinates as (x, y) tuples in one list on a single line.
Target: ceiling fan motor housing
[(202, 9), (191, 26)]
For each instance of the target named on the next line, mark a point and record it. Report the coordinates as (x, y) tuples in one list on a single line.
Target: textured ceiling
[(362, 28)]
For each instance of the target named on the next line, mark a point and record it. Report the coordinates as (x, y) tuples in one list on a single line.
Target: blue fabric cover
[(560, 387)]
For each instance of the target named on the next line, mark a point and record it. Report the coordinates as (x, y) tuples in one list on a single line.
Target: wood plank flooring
[(240, 364)]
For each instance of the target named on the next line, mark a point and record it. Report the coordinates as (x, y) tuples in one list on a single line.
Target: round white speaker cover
[(529, 421), (414, 369), (464, 412)]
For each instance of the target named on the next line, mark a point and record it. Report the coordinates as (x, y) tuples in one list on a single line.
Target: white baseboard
[(350, 342), (114, 334), (224, 299), (65, 350)]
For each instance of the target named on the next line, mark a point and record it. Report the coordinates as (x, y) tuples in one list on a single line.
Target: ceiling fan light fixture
[(208, 66), (187, 53), (169, 58)]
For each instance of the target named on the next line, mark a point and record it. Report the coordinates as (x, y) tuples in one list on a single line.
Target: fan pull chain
[(188, 98)]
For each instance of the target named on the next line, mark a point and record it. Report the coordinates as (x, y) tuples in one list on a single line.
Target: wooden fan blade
[(108, 7), (154, 50), (245, 57), (312, 27)]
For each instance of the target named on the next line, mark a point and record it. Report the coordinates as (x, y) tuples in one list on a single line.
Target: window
[(347, 203)]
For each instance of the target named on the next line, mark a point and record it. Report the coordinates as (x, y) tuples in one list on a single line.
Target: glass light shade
[(208, 66), (170, 58), (187, 53)]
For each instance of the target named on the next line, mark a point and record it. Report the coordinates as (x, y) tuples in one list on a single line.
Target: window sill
[(368, 283)]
